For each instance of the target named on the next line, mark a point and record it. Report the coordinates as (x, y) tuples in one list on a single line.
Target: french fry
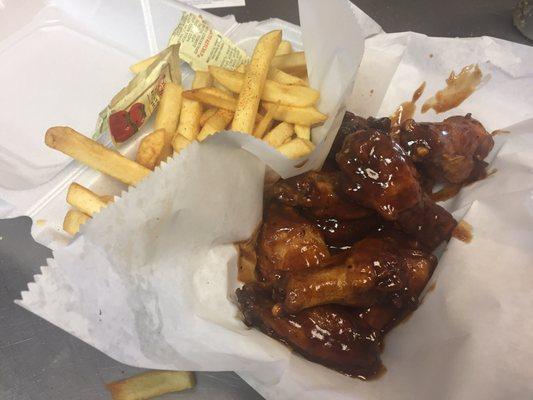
[(277, 136), (241, 68), (303, 131), (219, 86), (290, 95), (191, 112), (297, 115), (213, 97), (152, 149), (218, 122), (151, 384), (296, 148), (207, 114), (84, 199), (73, 220), (168, 115), (202, 79), (142, 65), (93, 154), (107, 198), (179, 143), (291, 63), (284, 78), (266, 122), (254, 82), (285, 47)]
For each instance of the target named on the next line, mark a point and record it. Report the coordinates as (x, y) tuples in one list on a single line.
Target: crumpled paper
[(150, 280)]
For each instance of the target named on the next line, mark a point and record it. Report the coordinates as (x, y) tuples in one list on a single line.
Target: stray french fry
[(207, 114), (297, 115), (84, 200), (73, 220), (292, 63), (254, 82), (179, 143), (213, 97), (290, 95), (168, 115), (93, 154), (218, 122), (296, 148), (284, 78), (285, 47), (303, 131), (277, 136), (266, 122), (142, 65), (151, 384), (202, 79), (152, 149)]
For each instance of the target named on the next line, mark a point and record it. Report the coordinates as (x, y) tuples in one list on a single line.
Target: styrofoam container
[(61, 61)]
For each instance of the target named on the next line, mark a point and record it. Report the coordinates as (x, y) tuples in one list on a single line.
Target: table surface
[(39, 361)]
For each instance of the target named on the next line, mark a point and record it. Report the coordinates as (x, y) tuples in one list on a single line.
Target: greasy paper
[(150, 280)]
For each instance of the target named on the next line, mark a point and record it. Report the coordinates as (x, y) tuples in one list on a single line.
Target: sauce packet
[(135, 103)]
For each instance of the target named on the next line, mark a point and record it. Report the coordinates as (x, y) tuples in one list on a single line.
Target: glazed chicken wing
[(288, 242), (376, 269), (378, 174), (331, 335), (318, 195), (447, 151)]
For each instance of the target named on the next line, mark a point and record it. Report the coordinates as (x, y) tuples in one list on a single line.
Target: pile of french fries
[(269, 98)]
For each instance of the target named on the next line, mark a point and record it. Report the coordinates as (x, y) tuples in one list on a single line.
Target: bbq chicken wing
[(376, 269), (288, 242), (331, 335), (449, 151)]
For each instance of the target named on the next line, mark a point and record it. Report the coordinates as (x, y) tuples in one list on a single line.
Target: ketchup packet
[(135, 103)]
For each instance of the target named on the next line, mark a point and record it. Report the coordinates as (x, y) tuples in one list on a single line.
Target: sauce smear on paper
[(406, 110), (459, 88), (463, 232)]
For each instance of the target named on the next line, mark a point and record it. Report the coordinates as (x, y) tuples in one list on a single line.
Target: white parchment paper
[(150, 280)]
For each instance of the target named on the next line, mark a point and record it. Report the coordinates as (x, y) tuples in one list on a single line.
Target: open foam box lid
[(62, 61)]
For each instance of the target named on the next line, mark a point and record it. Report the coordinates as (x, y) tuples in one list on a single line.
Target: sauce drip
[(405, 111), (463, 232), (459, 88)]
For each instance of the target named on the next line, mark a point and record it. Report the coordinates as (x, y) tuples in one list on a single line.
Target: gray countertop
[(39, 361)]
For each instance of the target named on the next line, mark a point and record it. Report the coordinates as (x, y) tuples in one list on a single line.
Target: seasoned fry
[(296, 148), (152, 149), (207, 114), (277, 136), (266, 122), (297, 115), (284, 78), (285, 47), (303, 131), (84, 200), (191, 112), (218, 122), (292, 63), (142, 65), (73, 220), (291, 95), (93, 154), (254, 82), (151, 384), (213, 97), (168, 115), (202, 79), (180, 142)]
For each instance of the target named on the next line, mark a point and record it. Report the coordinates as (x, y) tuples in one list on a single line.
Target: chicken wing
[(331, 335), (377, 269), (447, 151), (288, 242)]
